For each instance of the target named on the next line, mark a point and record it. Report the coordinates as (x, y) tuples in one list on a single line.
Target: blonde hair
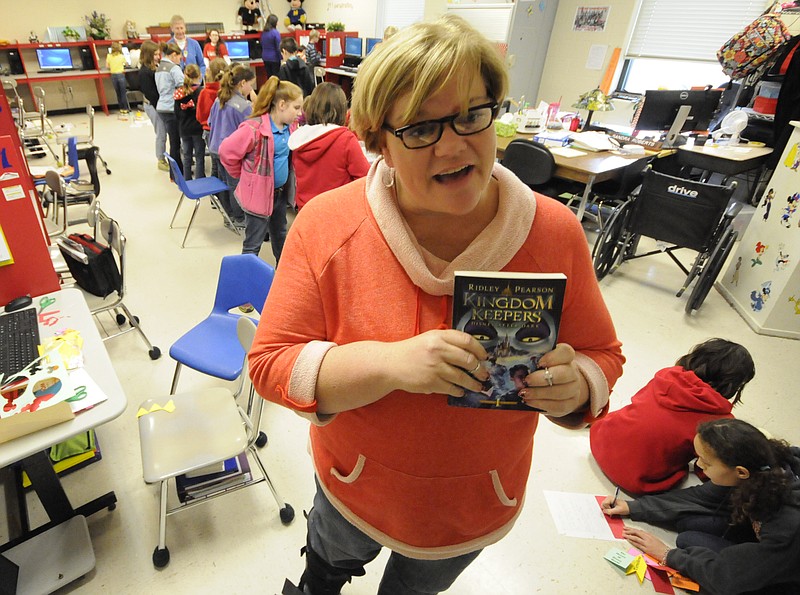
[(419, 61), (313, 35), (230, 80), (216, 70), (388, 32), (272, 92), (190, 74), (116, 48)]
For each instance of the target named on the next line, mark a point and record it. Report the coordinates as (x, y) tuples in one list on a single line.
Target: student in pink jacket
[(356, 332), (258, 154), (325, 154)]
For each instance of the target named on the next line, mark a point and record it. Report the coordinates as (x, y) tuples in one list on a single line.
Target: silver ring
[(476, 368), (548, 376)]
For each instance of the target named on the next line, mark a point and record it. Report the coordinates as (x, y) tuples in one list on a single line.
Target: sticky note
[(619, 558)]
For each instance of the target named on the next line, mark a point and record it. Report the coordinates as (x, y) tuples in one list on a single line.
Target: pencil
[(616, 494)]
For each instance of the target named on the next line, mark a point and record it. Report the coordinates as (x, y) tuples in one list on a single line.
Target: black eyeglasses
[(424, 134)]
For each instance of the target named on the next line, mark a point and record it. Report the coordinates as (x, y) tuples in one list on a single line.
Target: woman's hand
[(620, 508), (557, 388), (439, 361), (647, 542)]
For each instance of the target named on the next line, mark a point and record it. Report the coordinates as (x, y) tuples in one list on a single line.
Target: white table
[(60, 310)]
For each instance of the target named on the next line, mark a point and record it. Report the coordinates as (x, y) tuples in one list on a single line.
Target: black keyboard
[(19, 340)]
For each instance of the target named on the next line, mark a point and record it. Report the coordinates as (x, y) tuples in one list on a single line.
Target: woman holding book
[(357, 336)]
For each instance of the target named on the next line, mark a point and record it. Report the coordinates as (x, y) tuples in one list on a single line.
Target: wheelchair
[(678, 212)]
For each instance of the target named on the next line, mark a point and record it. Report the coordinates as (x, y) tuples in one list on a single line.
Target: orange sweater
[(425, 479)]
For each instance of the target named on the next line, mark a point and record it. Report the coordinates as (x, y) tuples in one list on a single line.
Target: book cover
[(515, 316)]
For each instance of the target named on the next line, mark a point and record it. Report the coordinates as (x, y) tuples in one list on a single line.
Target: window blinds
[(689, 29), (398, 13)]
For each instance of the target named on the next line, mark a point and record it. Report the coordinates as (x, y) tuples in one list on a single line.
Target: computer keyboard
[(19, 340), (349, 68)]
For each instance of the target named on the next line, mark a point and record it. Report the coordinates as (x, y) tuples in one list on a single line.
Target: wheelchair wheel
[(711, 271), (610, 247)]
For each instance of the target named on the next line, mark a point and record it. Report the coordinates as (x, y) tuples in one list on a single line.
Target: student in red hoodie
[(214, 74), (646, 446), (325, 153)]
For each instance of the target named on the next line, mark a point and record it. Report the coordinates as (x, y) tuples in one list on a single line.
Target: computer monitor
[(238, 49), (372, 42), (677, 111), (54, 59), (353, 46)]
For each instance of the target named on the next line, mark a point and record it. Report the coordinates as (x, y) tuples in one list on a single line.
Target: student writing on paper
[(646, 447), (738, 533), (359, 338)]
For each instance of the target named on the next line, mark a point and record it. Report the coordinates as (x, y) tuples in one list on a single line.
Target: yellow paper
[(169, 408), (638, 566)]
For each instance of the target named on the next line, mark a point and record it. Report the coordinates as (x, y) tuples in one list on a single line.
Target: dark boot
[(320, 578), (290, 589)]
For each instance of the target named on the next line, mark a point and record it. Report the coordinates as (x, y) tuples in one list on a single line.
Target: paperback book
[(236, 471), (515, 316)]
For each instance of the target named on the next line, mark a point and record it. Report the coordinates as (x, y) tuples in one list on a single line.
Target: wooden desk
[(587, 169), (58, 311)]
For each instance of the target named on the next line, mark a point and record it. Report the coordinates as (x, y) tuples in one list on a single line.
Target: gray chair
[(107, 230), (190, 431), (535, 166)]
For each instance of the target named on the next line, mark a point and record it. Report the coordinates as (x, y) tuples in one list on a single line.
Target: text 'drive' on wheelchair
[(678, 212)]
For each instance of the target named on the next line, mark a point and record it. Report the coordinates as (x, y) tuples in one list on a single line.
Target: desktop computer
[(255, 48), (87, 59), (15, 62)]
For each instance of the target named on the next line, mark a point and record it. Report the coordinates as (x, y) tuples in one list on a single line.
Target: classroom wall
[(565, 73), (16, 24)]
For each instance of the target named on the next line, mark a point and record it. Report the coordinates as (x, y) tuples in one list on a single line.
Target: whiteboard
[(493, 20)]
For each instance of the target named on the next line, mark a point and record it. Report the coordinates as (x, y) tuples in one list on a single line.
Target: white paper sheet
[(596, 57), (578, 515)]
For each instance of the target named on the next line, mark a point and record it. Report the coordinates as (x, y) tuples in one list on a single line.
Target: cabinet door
[(528, 39)]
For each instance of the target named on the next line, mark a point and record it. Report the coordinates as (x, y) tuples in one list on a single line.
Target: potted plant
[(71, 34), (98, 25), (335, 26)]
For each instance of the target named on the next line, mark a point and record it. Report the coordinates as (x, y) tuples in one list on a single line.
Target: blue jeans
[(121, 89), (342, 545), (255, 230), (226, 199), (193, 146), (161, 131)]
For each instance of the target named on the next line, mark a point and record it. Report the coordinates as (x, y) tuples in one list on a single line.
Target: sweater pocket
[(426, 512)]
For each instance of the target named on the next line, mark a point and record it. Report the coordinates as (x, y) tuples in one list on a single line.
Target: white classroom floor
[(237, 544)]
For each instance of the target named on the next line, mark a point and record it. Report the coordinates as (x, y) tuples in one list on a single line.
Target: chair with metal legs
[(195, 190), (193, 430)]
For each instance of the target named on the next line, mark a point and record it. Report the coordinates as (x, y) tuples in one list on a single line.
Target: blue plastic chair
[(195, 190), (212, 347)]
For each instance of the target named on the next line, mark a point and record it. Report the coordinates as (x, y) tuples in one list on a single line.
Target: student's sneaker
[(163, 165)]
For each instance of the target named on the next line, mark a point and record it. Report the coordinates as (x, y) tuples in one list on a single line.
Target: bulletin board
[(28, 268)]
